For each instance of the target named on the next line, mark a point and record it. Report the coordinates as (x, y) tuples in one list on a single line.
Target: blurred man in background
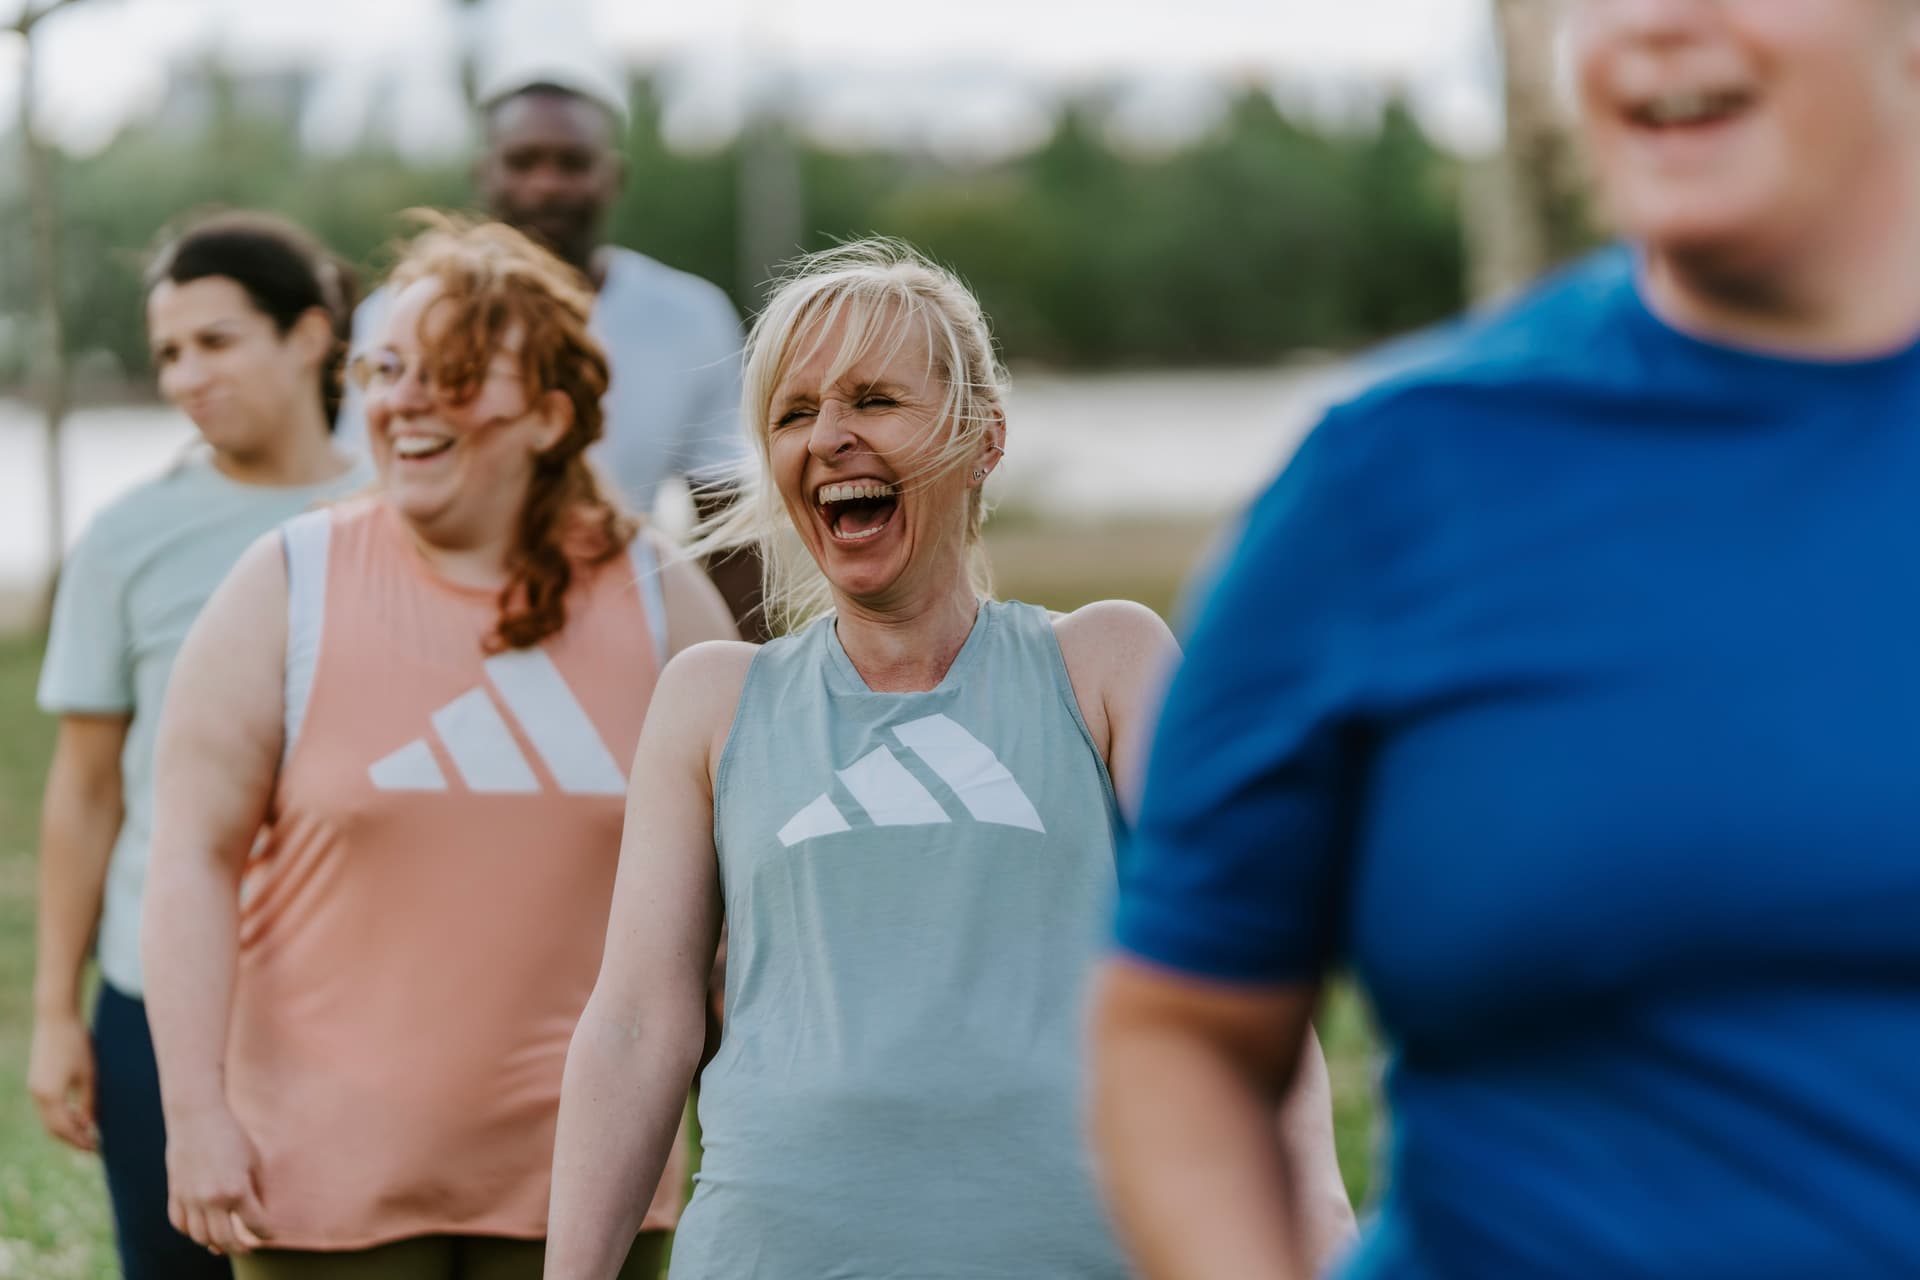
[(551, 166)]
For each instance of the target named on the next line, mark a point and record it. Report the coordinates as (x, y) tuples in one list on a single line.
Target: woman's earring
[(980, 473)]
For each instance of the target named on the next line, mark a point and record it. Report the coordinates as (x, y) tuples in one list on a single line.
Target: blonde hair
[(887, 293)]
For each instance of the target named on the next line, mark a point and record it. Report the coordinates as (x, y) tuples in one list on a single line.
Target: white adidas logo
[(482, 748), (893, 797)]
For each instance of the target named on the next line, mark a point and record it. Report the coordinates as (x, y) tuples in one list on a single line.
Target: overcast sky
[(869, 69)]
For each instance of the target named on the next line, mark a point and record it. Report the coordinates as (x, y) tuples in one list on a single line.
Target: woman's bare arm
[(638, 1041), (1119, 655), (214, 768), (1186, 1078), (80, 818)]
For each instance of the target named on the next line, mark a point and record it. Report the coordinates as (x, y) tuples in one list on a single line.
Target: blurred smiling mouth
[(1690, 110), (856, 510), (415, 447)]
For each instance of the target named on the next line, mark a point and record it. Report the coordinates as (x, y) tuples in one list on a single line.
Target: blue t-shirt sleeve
[(1236, 867), (89, 663)]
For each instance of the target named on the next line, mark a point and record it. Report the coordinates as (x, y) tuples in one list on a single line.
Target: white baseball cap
[(596, 82)]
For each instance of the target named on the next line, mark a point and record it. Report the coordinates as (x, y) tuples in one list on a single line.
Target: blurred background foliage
[(1264, 235)]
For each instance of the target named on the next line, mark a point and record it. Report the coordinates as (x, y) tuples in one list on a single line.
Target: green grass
[(53, 1216), (53, 1209)]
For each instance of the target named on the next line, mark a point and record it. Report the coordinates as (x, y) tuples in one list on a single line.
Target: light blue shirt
[(673, 408), (916, 888), (129, 591)]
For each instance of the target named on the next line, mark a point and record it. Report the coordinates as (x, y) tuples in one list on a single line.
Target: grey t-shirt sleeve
[(89, 662), (712, 445)]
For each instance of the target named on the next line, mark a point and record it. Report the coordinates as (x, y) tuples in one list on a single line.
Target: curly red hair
[(494, 285)]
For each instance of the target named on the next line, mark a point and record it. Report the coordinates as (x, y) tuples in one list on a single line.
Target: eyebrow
[(783, 405), (224, 324), (884, 386), (848, 384)]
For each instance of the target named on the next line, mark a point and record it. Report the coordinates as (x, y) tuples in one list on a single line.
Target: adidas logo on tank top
[(475, 736), (890, 795)]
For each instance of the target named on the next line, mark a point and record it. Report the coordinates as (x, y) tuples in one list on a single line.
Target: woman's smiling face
[(1728, 125), (458, 470), (857, 453)]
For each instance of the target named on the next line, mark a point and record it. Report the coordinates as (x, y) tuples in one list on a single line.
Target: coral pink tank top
[(422, 919)]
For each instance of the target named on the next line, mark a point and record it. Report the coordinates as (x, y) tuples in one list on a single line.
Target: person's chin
[(865, 578), (564, 240), (422, 505), (1697, 221), (218, 429)]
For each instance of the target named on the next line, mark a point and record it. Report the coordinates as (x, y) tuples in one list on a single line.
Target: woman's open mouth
[(414, 447), (1683, 113), (858, 509)]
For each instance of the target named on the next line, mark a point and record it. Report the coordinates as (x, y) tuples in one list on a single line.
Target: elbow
[(639, 1036)]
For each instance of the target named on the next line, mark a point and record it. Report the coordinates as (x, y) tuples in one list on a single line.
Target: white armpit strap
[(304, 539), (646, 568)]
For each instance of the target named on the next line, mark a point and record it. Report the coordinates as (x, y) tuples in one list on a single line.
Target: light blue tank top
[(916, 885)]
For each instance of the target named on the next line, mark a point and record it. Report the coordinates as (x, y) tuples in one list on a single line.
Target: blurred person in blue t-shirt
[(1567, 690)]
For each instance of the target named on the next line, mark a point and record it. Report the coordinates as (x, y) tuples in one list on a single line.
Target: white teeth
[(856, 537), (850, 492), (419, 446), (1689, 108)]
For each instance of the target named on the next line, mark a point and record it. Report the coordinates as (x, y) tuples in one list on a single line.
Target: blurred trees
[(1528, 209), (1265, 234), (48, 348)]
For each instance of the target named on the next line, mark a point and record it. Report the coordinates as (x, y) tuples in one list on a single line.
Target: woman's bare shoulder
[(699, 691), (1120, 639)]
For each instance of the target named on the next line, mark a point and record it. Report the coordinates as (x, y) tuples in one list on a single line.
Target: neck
[(1850, 290), (461, 558), (591, 262), (908, 649), (299, 456)]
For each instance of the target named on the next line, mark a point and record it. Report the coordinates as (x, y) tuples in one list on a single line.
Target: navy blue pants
[(133, 1147)]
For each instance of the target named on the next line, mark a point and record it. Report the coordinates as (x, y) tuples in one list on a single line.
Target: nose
[(409, 393), (1646, 21), (183, 377), (404, 398), (548, 179), (832, 435)]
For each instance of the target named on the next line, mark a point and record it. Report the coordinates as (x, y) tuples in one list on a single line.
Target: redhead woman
[(390, 800)]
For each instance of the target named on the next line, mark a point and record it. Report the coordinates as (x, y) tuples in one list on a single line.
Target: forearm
[(190, 944), (1324, 1213), (1192, 1161), (77, 833), (621, 1099)]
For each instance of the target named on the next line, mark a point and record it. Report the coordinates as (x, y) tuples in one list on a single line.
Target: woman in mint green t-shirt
[(245, 316)]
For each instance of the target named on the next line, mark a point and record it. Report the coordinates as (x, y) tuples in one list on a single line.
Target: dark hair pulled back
[(284, 271)]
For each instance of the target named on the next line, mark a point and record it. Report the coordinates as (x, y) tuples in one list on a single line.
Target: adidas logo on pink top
[(474, 735)]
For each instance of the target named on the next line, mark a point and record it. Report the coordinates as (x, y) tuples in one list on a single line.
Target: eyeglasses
[(379, 371)]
